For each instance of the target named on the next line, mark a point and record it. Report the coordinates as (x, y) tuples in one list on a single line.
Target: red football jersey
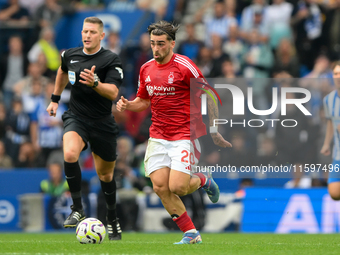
[(168, 88)]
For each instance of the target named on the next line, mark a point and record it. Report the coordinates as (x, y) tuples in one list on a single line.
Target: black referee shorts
[(101, 134)]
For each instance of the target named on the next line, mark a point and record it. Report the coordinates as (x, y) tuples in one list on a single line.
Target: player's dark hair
[(164, 28), (335, 64), (94, 20)]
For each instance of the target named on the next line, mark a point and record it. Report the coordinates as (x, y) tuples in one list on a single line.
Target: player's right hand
[(52, 109), (122, 104), (325, 150), (220, 141)]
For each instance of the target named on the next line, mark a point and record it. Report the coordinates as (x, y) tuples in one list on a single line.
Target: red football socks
[(184, 222), (202, 177)]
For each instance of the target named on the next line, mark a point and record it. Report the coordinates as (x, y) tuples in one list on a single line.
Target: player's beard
[(162, 57)]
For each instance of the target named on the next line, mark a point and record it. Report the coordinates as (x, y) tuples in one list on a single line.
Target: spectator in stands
[(55, 185), (26, 157), (240, 155), (83, 5), (191, 45), (277, 21), (31, 5), (204, 61), (33, 97), (252, 18), (125, 151), (14, 13), (114, 43), (258, 61), (159, 7), (266, 153), (48, 14), (230, 8), (45, 71), (5, 160), (286, 59), (228, 70), (234, 47), (46, 46), (2, 121), (331, 28), (25, 84), (133, 57), (218, 56), (218, 24), (46, 132), (17, 128), (307, 24), (13, 68)]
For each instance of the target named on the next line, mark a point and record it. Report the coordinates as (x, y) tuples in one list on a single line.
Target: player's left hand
[(87, 76), (220, 141)]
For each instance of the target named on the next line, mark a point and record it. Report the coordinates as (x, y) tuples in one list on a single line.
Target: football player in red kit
[(173, 149)]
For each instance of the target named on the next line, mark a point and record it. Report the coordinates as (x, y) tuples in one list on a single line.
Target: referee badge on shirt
[(72, 77)]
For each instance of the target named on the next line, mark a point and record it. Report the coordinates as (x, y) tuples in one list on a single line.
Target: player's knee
[(161, 191), (105, 177), (70, 155), (179, 190)]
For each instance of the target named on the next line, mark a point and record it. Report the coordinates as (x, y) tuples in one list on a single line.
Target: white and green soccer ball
[(91, 230)]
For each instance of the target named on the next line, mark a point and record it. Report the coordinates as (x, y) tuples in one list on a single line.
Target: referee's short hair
[(94, 20), (164, 28)]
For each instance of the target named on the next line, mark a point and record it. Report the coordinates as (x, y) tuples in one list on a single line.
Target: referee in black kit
[(95, 75)]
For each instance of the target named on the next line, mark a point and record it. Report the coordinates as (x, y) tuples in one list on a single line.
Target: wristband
[(213, 130), (55, 98)]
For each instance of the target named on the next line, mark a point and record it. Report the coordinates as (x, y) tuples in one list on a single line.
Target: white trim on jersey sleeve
[(187, 64)]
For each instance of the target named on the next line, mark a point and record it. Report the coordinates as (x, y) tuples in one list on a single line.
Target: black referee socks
[(109, 190), (73, 177)]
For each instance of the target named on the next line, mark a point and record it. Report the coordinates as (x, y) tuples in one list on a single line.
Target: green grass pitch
[(143, 243)]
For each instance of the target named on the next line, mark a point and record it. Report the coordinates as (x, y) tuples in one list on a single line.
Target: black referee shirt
[(85, 101)]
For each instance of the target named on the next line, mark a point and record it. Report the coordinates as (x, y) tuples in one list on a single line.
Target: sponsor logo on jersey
[(72, 77), (74, 61), (171, 78), (150, 90), (160, 90), (148, 79)]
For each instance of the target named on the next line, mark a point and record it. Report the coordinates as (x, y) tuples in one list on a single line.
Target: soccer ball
[(90, 230)]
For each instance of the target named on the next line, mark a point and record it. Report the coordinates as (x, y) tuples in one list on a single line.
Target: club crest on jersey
[(72, 77), (150, 90), (171, 78)]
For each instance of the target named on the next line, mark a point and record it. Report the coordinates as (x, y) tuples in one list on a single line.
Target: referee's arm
[(107, 90), (60, 84)]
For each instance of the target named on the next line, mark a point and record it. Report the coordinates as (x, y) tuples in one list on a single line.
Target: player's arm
[(137, 105), (60, 84), (107, 90), (326, 147), (213, 114)]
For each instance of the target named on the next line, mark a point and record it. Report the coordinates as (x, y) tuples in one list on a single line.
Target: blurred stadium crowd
[(278, 39)]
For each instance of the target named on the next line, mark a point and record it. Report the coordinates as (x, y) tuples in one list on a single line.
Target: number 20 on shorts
[(188, 156)]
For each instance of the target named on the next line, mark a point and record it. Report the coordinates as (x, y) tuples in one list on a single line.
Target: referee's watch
[(96, 81)]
